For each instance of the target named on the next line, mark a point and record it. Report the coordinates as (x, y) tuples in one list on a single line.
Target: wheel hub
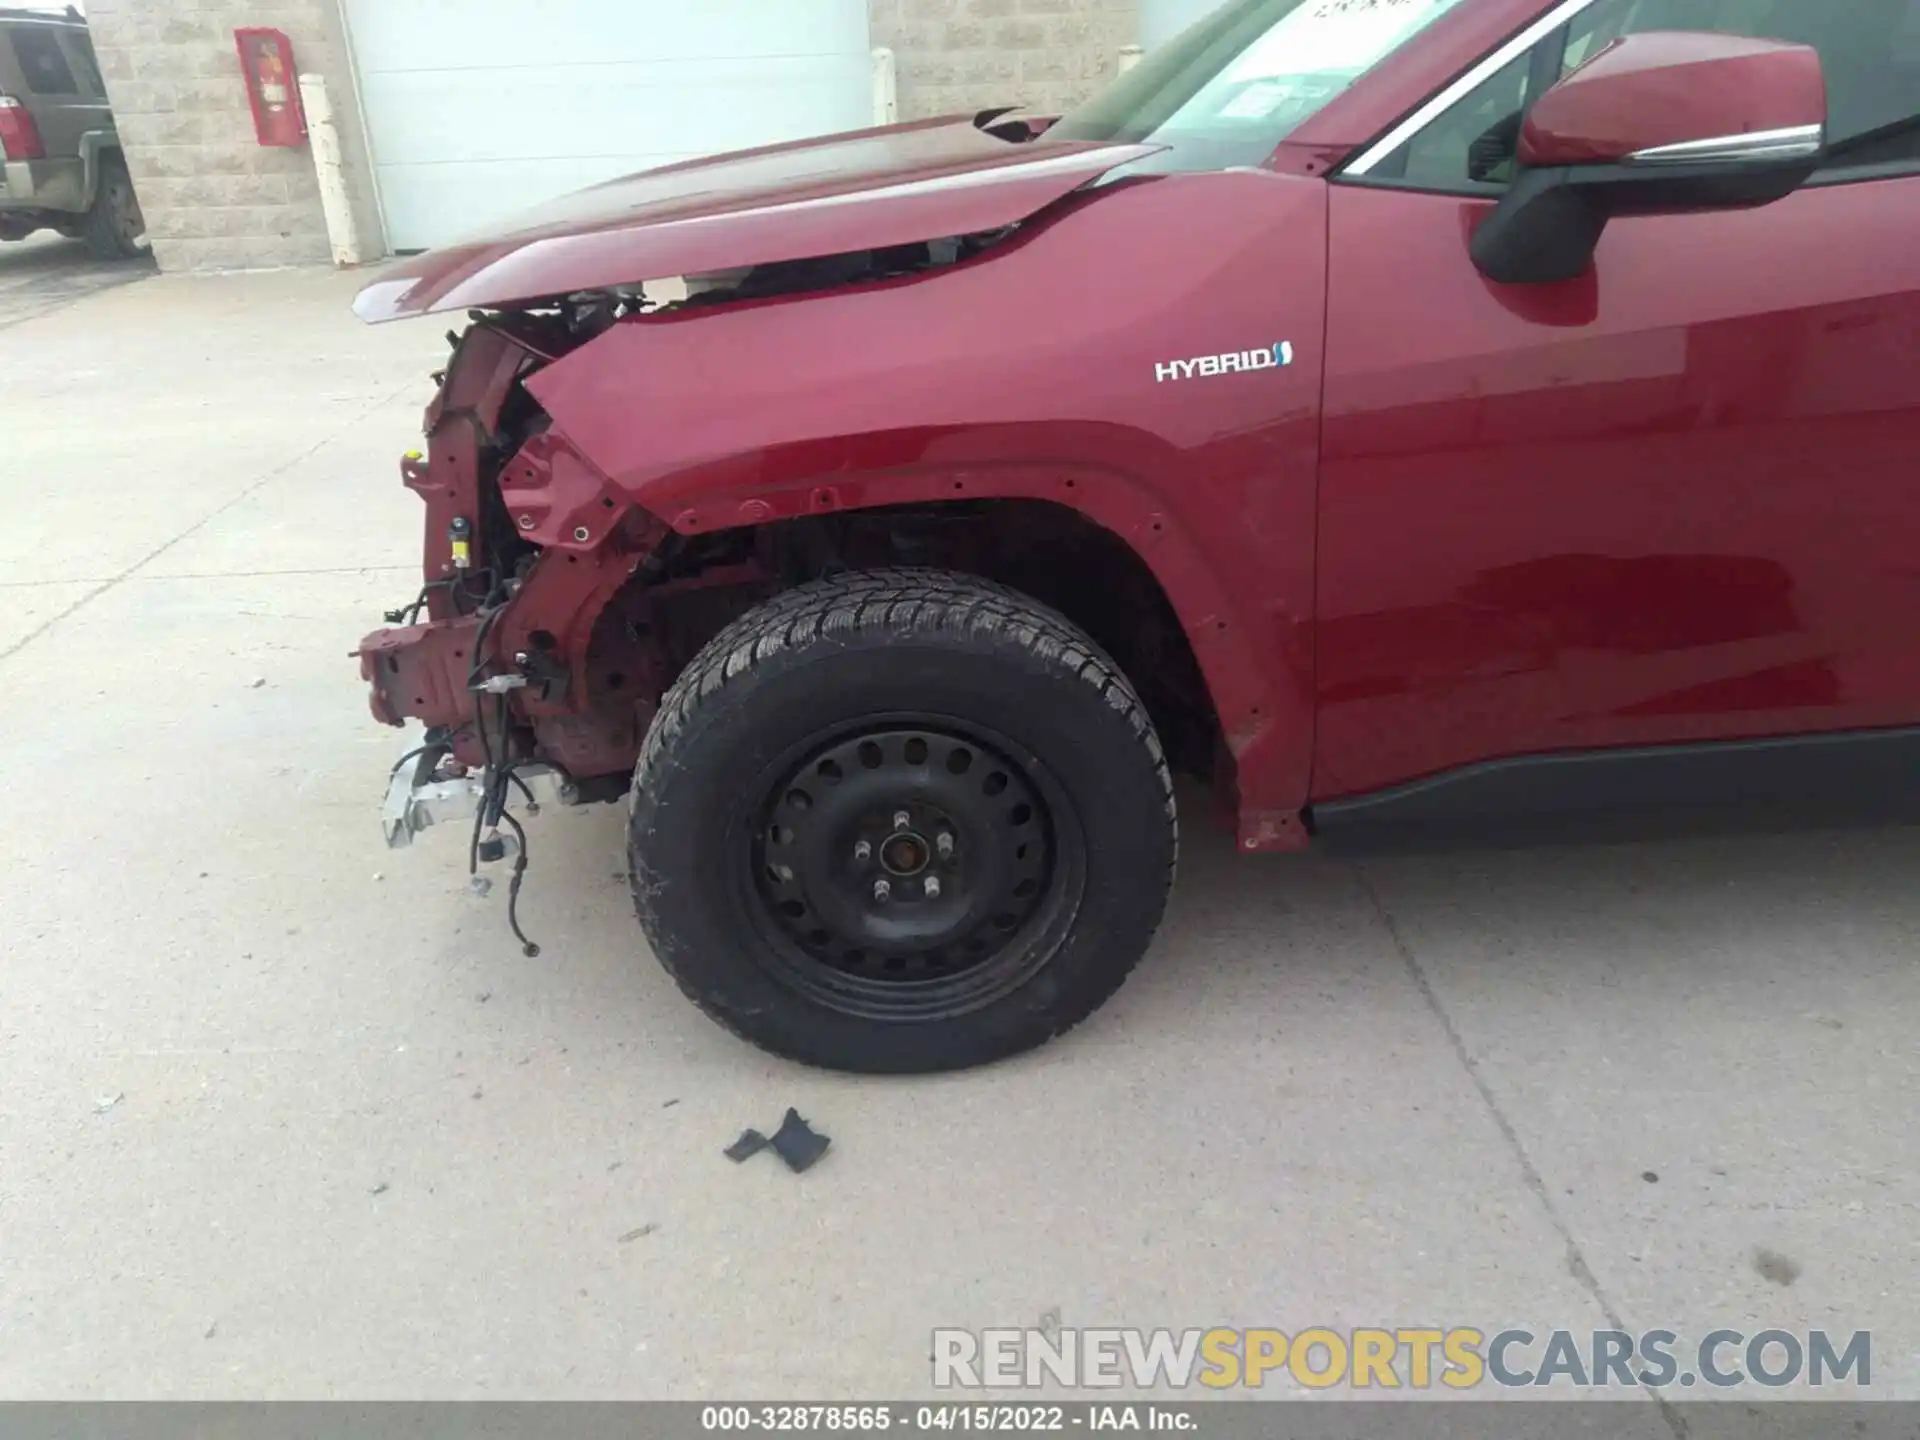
[(903, 855)]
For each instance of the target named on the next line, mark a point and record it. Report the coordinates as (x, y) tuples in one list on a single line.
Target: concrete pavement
[(287, 1116), (46, 272)]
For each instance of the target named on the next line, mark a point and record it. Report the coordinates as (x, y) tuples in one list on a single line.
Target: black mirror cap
[(1543, 230), (1548, 225)]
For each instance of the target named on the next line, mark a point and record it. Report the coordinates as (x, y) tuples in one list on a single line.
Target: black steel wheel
[(905, 869), (902, 820)]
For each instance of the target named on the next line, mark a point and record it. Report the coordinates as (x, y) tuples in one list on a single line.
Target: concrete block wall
[(957, 55), (213, 197)]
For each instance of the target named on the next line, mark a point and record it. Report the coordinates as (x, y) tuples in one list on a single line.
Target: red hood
[(858, 191)]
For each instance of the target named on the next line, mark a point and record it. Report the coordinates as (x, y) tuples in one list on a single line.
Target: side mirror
[(1660, 123)]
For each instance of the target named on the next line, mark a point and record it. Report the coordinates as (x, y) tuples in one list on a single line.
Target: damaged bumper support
[(428, 786), (422, 676), (519, 698), (420, 795)]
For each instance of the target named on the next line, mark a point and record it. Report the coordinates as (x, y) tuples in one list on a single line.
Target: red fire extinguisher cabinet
[(273, 86)]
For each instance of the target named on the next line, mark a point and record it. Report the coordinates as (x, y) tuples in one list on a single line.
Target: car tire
[(113, 226), (901, 821)]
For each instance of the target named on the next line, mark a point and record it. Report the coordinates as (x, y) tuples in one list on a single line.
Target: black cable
[(436, 739), (533, 805), (474, 668), (409, 614), (417, 750), (420, 600), (456, 585), (473, 845), (488, 617), (462, 586), (527, 947), (497, 780), (497, 776)]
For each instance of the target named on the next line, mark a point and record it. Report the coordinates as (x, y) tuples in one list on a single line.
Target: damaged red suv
[(1395, 413)]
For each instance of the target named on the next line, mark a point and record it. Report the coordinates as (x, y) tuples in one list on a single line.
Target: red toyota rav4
[(1390, 411)]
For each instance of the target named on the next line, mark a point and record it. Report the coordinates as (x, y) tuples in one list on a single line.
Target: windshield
[(1230, 88)]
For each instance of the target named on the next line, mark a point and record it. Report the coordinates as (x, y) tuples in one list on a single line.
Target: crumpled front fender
[(1078, 361)]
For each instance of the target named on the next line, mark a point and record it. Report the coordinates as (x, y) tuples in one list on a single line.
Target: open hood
[(863, 190)]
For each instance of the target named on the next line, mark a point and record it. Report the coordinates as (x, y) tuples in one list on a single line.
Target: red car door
[(1676, 500)]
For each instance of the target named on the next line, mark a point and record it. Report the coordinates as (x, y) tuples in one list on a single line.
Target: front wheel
[(902, 820)]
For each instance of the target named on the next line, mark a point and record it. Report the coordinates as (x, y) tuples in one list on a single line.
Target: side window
[(1873, 77), (1469, 147), (1869, 48), (80, 47), (43, 65)]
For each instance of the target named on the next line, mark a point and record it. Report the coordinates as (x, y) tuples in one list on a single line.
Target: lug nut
[(901, 819), (944, 844), (933, 887), (862, 851), (881, 890)]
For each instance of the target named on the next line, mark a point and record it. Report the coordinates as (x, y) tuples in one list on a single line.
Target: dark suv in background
[(61, 167)]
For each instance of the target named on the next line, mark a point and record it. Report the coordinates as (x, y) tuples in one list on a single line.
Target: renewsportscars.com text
[(1414, 1358)]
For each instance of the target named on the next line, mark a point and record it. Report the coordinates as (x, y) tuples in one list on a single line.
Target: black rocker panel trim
[(1866, 773)]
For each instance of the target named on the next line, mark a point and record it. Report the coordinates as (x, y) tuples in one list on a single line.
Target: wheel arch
[(97, 146), (1242, 689)]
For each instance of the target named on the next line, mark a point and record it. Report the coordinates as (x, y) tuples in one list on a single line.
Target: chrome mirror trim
[(1799, 142)]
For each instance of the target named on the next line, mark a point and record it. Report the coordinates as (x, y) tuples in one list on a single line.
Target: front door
[(1676, 500)]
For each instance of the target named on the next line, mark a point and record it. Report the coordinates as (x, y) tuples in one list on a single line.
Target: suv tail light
[(19, 136)]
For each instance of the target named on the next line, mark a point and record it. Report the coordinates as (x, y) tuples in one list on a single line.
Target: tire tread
[(885, 602)]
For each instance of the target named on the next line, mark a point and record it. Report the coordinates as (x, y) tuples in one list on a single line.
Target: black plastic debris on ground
[(795, 1142), (750, 1143), (798, 1143)]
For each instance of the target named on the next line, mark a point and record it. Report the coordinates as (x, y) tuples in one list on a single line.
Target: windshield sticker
[(1341, 37), (1234, 362), (1257, 101)]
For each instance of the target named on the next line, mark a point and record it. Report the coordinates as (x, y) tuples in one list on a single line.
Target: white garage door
[(478, 108)]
